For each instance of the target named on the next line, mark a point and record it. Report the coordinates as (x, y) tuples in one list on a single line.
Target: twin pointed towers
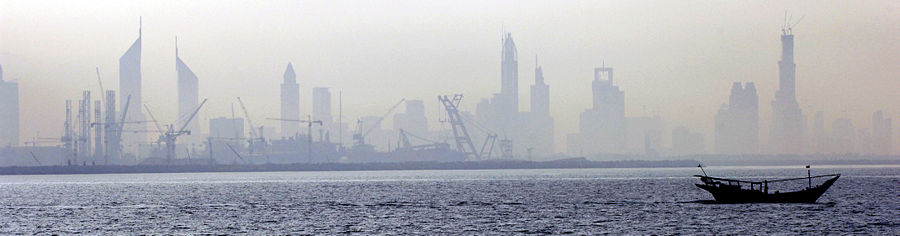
[(130, 80)]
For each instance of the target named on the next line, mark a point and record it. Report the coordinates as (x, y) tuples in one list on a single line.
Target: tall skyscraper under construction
[(787, 130), (290, 102)]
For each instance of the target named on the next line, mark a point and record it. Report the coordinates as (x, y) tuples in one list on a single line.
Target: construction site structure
[(461, 135)]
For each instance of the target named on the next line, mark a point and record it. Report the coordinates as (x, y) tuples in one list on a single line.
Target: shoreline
[(571, 163)]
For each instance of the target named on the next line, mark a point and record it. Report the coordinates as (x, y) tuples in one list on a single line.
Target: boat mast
[(809, 176)]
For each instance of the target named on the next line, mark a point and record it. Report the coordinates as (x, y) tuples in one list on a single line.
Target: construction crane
[(359, 138), (170, 135), (309, 123), (253, 135), (403, 143), (114, 144), (462, 138)]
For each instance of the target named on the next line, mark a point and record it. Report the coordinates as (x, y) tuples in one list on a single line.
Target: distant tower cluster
[(290, 103), (787, 130), (501, 112), (737, 123), (9, 112)]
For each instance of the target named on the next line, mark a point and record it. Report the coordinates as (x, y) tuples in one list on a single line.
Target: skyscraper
[(9, 112), (603, 128), (130, 85), (188, 98), (540, 93), (509, 79), (737, 123), (538, 137), (321, 110), (787, 130), (290, 102)]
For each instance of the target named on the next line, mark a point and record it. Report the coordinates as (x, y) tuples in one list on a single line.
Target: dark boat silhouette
[(733, 191)]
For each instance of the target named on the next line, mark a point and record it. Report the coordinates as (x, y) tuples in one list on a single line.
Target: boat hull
[(735, 194)]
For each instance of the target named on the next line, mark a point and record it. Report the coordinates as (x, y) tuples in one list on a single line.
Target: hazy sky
[(676, 59)]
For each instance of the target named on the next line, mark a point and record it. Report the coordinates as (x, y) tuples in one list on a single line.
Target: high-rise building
[(130, 86), (111, 135), (188, 96), (882, 134), (321, 110), (602, 129), (290, 102), (501, 112), (788, 124), (84, 126), (737, 123), (509, 81), (540, 93), (9, 112), (537, 138)]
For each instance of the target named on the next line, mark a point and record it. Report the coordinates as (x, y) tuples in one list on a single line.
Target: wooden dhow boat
[(733, 190)]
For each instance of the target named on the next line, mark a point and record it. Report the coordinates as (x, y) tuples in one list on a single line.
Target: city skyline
[(567, 94)]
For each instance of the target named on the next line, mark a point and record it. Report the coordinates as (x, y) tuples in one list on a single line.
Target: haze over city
[(674, 60), (399, 117)]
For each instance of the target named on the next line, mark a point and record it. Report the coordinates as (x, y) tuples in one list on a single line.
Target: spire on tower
[(176, 46), (140, 26)]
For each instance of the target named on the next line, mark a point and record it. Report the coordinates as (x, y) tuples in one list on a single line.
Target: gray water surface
[(866, 200)]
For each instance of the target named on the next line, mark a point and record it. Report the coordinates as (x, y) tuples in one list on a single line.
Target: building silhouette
[(787, 130), (687, 142), (290, 103), (321, 110), (188, 97), (603, 127), (538, 137), (644, 135), (509, 81), (9, 112), (737, 123), (130, 85), (413, 119), (882, 134)]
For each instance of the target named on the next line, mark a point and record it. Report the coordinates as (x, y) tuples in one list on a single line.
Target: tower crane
[(359, 138), (170, 135), (254, 136), (461, 134), (463, 141)]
